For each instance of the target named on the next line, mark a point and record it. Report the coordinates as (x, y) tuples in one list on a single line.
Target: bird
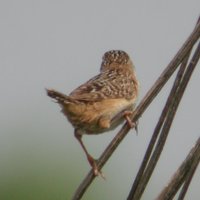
[(103, 102)]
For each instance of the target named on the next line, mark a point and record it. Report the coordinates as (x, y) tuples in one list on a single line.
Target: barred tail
[(60, 97)]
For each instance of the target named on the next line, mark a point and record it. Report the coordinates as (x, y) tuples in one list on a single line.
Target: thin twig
[(141, 108), (138, 180), (178, 178), (175, 100), (190, 174)]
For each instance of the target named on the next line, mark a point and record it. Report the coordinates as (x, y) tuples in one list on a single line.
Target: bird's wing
[(108, 84)]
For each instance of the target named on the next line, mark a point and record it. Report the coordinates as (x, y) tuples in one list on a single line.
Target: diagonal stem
[(187, 168), (175, 100), (191, 171), (157, 130)]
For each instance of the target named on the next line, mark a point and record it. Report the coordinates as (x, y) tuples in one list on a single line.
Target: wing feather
[(108, 84)]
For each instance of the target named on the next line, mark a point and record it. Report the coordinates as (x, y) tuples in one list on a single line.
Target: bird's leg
[(131, 124), (90, 159)]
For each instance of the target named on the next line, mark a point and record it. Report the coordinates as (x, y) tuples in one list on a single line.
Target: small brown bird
[(103, 102)]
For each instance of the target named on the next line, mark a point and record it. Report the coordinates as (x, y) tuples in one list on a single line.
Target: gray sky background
[(59, 44)]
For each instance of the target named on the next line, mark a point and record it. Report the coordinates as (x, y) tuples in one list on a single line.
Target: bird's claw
[(93, 164), (131, 124)]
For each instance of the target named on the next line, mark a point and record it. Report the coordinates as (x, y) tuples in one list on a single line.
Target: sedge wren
[(103, 102)]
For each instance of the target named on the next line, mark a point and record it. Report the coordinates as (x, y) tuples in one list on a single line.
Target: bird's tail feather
[(58, 96)]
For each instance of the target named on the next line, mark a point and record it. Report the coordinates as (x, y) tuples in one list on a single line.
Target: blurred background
[(59, 44)]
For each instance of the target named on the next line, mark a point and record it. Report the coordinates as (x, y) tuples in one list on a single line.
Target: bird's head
[(114, 59)]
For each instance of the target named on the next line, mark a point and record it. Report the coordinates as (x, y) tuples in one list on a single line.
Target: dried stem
[(186, 170), (191, 171), (140, 180), (165, 122), (141, 108)]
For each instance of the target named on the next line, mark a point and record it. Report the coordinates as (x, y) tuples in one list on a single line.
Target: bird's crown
[(114, 56), (118, 56)]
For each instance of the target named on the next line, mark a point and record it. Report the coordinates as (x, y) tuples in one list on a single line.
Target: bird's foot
[(95, 168), (131, 124)]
